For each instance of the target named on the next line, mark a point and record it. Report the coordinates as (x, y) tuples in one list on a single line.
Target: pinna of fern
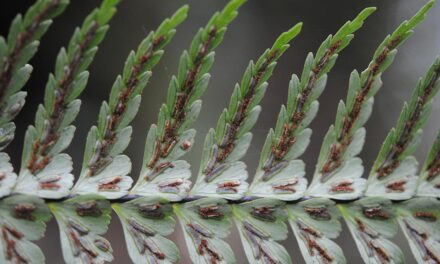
[(338, 170), (45, 170), (221, 172), (162, 173), (394, 173), (104, 169), (21, 45), (280, 174)]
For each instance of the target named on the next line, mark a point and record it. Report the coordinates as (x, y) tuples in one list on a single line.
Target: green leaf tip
[(109, 4), (180, 15), (107, 10), (407, 26), (229, 13), (351, 26), (420, 16), (287, 36), (169, 24), (364, 14)]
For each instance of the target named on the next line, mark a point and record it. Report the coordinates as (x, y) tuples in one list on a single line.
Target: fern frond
[(372, 222), (429, 179), (419, 218), (171, 138), (315, 222), (104, 170), (280, 174), (82, 220), (221, 173), (146, 221), (21, 45), (204, 223), (260, 224), (45, 171), (338, 171), (23, 219), (394, 173)]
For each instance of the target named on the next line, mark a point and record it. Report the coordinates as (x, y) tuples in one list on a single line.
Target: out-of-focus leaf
[(204, 223), (146, 221), (315, 222), (372, 222), (261, 224), (82, 220), (419, 218), (23, 219)]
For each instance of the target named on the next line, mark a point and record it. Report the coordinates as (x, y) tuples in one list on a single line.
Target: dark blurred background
[(257, 26)]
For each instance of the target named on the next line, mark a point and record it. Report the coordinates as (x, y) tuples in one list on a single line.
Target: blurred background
[(257, 26)]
